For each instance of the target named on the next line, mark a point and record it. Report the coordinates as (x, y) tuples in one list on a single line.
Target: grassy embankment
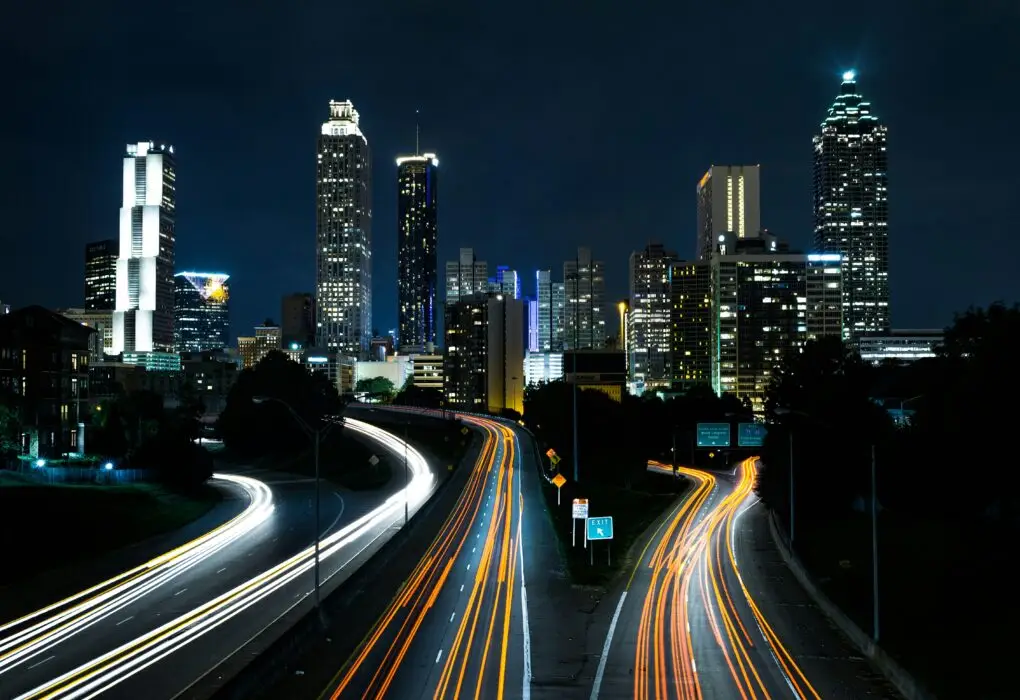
[(55, 525)]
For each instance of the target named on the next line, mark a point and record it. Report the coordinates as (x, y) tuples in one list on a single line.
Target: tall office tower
[(585, 314), (506, 282), (852, 207), (532, 325), (297, 320), (143, 317), (692, 320), (484, 364), (416, 249), (552, 304), (466, 276), (201, 311), (729, 200), (825, 296), (648, 322), (101, 275), (761, 302), (343, 229)]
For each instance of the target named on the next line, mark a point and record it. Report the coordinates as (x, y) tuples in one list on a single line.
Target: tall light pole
[(316, 435), (407, 421)]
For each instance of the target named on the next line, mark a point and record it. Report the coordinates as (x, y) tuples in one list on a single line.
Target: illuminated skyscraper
[(506, 282), (417, 273), (343, 229), (585, 286), (201, 311), (101, 275), (729, 201), (143, 318), (551, 298), (466, 276), (649, 321), (852, 207)]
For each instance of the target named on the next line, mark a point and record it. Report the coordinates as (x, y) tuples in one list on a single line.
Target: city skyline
[(239, 196)]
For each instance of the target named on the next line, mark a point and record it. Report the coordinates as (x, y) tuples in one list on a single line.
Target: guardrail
[(86, 475)]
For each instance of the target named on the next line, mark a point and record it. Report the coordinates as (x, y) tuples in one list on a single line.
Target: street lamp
[(316, 435), (874, 514)]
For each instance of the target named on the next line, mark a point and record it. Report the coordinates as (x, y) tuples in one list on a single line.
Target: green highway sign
[(600, 528), (713, 434), (751, 434)]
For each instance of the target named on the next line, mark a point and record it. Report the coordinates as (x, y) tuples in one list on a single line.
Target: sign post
[(600, 528), (558, 482), (578, 511)]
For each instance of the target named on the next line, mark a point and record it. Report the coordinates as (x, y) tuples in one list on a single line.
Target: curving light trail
[(475, 662), (109, 669), (694, 564), (32, 634)]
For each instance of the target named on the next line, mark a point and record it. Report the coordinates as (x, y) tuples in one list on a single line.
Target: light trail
[(694, 564), (111, 668), (39, 631), (475, 662)]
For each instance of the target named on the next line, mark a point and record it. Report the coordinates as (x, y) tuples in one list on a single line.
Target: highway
[(200, 603), (458, 625), (686, 626)]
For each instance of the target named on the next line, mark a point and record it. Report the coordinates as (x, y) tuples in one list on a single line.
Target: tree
[(377, 389), (10, 425), (411, 395)]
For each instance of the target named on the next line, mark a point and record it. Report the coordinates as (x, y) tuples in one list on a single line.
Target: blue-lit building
[(201, 311), (417, 238)]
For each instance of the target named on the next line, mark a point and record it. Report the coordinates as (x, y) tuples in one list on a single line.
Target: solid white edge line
[(605, 648), (525, 625)]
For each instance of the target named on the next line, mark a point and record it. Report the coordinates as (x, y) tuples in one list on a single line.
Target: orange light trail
[(480, 645), (693, 563)]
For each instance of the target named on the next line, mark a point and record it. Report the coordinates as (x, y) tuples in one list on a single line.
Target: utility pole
[(874, 544), (792, 509), (406, 421), (317, 435)]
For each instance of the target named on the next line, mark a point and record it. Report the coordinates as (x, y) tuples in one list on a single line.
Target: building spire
[(417, 134)]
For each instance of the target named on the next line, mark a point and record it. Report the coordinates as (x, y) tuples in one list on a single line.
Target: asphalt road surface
[(703, 617), (156, 644), (458, 626)]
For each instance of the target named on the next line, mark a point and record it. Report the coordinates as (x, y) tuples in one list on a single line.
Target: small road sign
[(600, 528), (464, 431), (555, 459), (373, 460), (559, 480), (751, 434), (713, 434), (550, 453), (580, 508)]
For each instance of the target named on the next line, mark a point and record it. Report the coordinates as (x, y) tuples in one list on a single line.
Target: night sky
[(557, 124)]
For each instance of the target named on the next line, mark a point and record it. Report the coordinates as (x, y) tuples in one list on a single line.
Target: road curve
[(458, 625)]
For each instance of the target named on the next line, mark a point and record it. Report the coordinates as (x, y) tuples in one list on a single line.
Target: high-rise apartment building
[(825, 295), (585, 313), (201, 311), (765, 305), (484, 364), (101, 275), (852, 207), (268, 337), (729, 201), (466, 276), (343, 229), (692, 321), (417, 238), (551, 298), (506, 282), (297, 320), (648, 322), (100, 320), (143, 318)]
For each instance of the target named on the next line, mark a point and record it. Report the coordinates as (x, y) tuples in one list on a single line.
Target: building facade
[(343, 229), (551, 298), (201, 311), (297, 320), (44, 365), (900, 346), (417, 240), (647, 319), (825, 296), (729, 201), (101, 274), (466, 276), (692, 320), (506, 282), (100, 342), (143, 318), (851, 206), (584, 286)]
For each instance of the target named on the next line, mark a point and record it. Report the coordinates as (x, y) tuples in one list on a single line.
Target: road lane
[(456, 628)]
